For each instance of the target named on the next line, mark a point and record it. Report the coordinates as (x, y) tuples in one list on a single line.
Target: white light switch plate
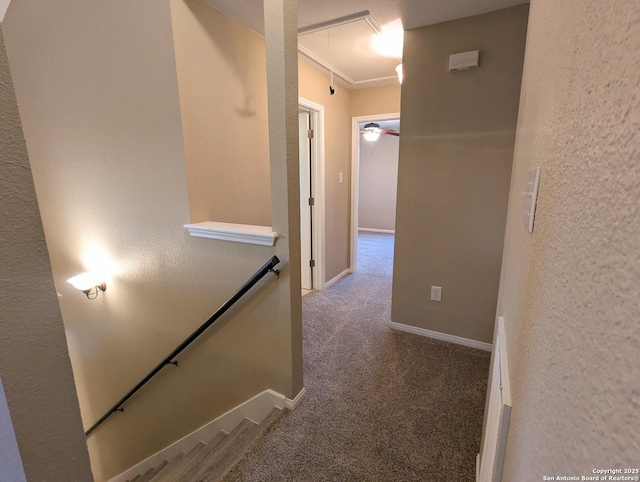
[(530, 195)]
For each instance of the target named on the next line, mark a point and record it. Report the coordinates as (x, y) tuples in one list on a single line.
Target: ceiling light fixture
[(371, 136), (399, 71), (89, 284), (371, 131), (389, 40)]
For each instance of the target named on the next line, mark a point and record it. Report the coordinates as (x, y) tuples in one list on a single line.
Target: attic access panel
[(353, 60)]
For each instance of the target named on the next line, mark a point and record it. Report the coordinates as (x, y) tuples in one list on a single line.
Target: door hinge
[(312, 202), (312, 263), (310, 133)]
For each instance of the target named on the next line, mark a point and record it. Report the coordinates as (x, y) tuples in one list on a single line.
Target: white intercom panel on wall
[(530, 195), (464, 61)]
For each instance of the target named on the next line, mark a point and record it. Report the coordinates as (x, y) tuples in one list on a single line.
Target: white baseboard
[(458, 340), (292, 404), (255, 409), (374, 230), (337, 278)]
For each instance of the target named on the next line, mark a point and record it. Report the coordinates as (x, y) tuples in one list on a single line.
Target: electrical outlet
[(436, 293)]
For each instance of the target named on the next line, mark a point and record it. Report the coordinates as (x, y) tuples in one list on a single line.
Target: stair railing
[(269, 266)]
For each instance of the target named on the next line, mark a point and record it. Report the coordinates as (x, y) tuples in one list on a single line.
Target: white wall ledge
[(237, 233)]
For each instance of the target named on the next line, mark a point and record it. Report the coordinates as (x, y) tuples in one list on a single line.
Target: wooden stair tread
[(172, 471), (231, 454), (210, 461), (256, 433), (168, 466), (150, 474), (223, 451), (275, 413), (205, 455)]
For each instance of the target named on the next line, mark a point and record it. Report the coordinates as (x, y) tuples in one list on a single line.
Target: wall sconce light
[(89, 284)]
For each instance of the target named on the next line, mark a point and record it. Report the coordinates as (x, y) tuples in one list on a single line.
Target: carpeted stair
[(209, 461)]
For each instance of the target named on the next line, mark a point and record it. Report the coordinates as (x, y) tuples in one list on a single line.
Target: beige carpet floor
[(381, 405)]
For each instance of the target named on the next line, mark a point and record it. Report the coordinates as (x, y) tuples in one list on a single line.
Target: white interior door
[(305, 197)]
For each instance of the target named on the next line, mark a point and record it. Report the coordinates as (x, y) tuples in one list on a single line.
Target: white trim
[(365, 15), (318, 60), (292, 404), (352, 83), (504, 363), (458, 340), (317, 174), (239, 233), (255, 409), (337, 278), (375, 230), (355, 173), (497, 411)]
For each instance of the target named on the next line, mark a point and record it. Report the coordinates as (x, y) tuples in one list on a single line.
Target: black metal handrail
[(269, 266)]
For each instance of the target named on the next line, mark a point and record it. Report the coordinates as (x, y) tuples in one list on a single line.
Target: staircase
[(208, 462)]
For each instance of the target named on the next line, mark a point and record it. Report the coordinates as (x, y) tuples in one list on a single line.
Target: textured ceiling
[(414, 13), (364, 69), (336, 48)]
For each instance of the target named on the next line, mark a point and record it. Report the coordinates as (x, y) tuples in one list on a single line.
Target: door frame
[(316, 112), (355, 178)]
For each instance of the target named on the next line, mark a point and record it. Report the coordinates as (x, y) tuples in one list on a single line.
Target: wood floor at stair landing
[(212, 460)]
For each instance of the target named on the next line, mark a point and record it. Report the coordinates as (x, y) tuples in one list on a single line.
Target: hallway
[(380, 404)]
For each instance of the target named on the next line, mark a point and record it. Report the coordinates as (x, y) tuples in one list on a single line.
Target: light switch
[(530, 196), (340, 178)]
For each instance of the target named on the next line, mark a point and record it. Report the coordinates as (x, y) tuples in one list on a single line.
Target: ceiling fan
[(371, 131)]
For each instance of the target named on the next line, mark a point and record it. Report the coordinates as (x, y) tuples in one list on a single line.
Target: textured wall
[(570, 292), (378, 183), (34, 361), (97, 90), (456, 150), (281, 39), (339, 109), (314, 86), (375, 100), (222, 81)]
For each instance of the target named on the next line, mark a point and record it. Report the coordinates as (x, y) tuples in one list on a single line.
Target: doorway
[(380, 204), (311, 152)]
